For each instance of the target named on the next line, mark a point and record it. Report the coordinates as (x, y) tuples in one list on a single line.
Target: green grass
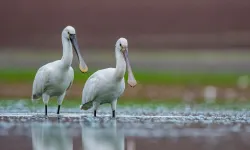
[(142, 77), (219, 79)]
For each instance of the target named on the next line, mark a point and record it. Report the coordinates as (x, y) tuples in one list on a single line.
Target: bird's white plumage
[(52, 80), (55, 78), (102, 87), (107, 85)]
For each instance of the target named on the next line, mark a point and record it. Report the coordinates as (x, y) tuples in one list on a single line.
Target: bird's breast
[(110, 92), (58, 84)]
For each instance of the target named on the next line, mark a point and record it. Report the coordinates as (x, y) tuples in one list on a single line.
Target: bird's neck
[(120, 65), (67, 53)]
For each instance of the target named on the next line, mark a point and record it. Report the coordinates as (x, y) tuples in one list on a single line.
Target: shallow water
[(24, 127), (174, 130)]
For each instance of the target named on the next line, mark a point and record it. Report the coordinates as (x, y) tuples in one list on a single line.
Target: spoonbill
[(107, 85), (55, 78)]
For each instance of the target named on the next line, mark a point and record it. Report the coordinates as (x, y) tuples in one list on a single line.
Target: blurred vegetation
[(143, 77), (187, 79)]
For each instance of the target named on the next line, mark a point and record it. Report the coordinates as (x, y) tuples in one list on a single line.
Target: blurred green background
[(192, 77), (178, 54)]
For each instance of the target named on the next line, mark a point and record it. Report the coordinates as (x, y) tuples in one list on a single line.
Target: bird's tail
[(86, 106)]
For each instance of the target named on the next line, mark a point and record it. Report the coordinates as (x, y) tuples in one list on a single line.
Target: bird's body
[(53, 82), (107, 85), (55, 78), (102, 87)]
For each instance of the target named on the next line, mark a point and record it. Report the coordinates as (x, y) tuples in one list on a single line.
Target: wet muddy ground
[(152, 92), (134, 128)]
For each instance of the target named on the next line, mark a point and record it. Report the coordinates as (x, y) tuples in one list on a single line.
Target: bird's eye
[(120, 44)]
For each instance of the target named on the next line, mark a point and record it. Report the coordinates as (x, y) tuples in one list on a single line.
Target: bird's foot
[(46, 108), (58, 109), (46, 116), (59, 116), (113, 113)]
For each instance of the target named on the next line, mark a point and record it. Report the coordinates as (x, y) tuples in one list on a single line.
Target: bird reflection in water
[(49, 136), (101, 136)]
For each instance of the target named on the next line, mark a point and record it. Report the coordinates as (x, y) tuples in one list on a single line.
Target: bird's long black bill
[(82, 65)]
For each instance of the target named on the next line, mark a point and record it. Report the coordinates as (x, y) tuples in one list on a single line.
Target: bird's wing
[(71, 76), (40, 82), (93, 86), (90, 90)]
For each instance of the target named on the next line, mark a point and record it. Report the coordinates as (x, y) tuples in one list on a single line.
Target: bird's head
[(122, 47), (69, 33)]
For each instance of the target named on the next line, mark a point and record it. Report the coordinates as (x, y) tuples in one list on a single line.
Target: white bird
[(107, 85), (55, 78)]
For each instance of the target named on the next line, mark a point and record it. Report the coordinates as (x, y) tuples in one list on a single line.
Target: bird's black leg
[(58, 109), (94, 113), (113, 113), (45, 110)]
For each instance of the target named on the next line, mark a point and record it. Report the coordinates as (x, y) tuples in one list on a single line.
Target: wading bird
[(107, 85), (55, 78)]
